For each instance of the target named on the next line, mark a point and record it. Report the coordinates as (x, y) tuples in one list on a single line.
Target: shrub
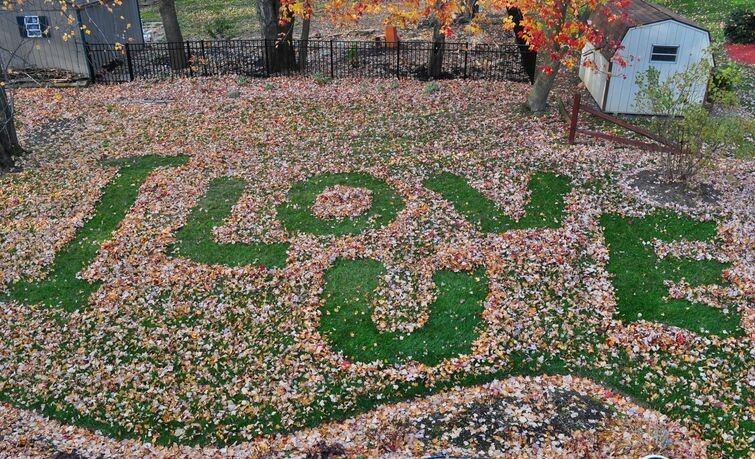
[(352, 55), (321, 79), (695, 135), (221, 28), (727, 77), (432, 87), (740, 27)]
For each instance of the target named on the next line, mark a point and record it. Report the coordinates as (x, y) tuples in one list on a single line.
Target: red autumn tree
[(558, 31)]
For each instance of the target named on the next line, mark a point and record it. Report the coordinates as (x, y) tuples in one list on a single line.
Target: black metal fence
[(111, 63)]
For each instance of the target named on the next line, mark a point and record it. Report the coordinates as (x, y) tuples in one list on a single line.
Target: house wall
[(595, 76), (53, 52), (638, 43), (120, 24)]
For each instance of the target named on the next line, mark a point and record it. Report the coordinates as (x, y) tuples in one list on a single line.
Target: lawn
[(363, 267), (711, 15), (195, 16)]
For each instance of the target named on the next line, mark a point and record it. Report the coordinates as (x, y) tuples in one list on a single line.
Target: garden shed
[(650, 36), (37, 36)]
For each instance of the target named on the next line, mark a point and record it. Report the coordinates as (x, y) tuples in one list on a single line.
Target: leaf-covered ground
[(311, 254)]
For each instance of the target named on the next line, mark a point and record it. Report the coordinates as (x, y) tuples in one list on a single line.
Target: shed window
[(33, 26), (664, 53)]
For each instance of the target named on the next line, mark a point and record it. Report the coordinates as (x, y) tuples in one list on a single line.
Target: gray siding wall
[(120, 24), (53, 52)]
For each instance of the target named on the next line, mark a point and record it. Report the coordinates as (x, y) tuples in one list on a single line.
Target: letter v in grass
[(62, 288), (453, 325), (195, 239), (545, 209)]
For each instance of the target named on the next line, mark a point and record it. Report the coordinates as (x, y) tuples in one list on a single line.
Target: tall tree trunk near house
[(9, 146), (537, 99), (547, 72), (471, 8), (173, 34), (435, 64), (527, 57), (304, 45), (279, 46)]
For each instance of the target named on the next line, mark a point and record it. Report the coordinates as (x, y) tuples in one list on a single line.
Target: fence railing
[(111, 63)]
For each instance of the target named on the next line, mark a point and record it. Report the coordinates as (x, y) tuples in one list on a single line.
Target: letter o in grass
[(297, 216)]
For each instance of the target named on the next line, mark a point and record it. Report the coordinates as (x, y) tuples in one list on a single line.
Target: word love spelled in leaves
[(402, 284)]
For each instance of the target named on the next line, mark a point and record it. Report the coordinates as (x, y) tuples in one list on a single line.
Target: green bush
[(352, 55), (696, 135), (740, 27), (432, 87), (727, 77), (321, 79), (221, 28)]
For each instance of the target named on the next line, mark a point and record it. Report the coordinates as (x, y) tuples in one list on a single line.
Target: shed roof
[(637, 13)]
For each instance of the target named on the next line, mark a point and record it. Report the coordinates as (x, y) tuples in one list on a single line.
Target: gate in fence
[(111, 63)]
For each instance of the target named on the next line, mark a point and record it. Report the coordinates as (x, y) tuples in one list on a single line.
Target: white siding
[(638, 44), (595, 78)]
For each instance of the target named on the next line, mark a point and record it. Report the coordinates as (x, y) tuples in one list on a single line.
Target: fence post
[(332, 74), (266, 58), (129, 62), (398, 58), (188, 58), (466, 55), (574, 117), (204, 58), (90, 59)]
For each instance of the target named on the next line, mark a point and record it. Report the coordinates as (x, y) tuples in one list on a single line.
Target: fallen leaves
[(170, 342)]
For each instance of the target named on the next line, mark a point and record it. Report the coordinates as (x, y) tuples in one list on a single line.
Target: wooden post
[(574, 117)]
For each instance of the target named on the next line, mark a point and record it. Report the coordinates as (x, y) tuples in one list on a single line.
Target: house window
[(664, 53), (33, 26)]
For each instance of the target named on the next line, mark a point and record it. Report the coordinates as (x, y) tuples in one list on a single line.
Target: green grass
[(62, 288), (639, 274), (453, 324), (709, 14), (195, 15), (296, 214), (545, 208), (195, 239), (454, 321)]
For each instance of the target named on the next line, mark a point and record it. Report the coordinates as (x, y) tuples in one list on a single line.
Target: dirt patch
[(651, 184), (489, 423)]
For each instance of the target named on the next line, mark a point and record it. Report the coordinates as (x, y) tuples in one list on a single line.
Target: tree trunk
[(472, 9), (9, 146), (435, 64), (279, 46), (304, 45), (528, 58), (538, 97), (173, 34)]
